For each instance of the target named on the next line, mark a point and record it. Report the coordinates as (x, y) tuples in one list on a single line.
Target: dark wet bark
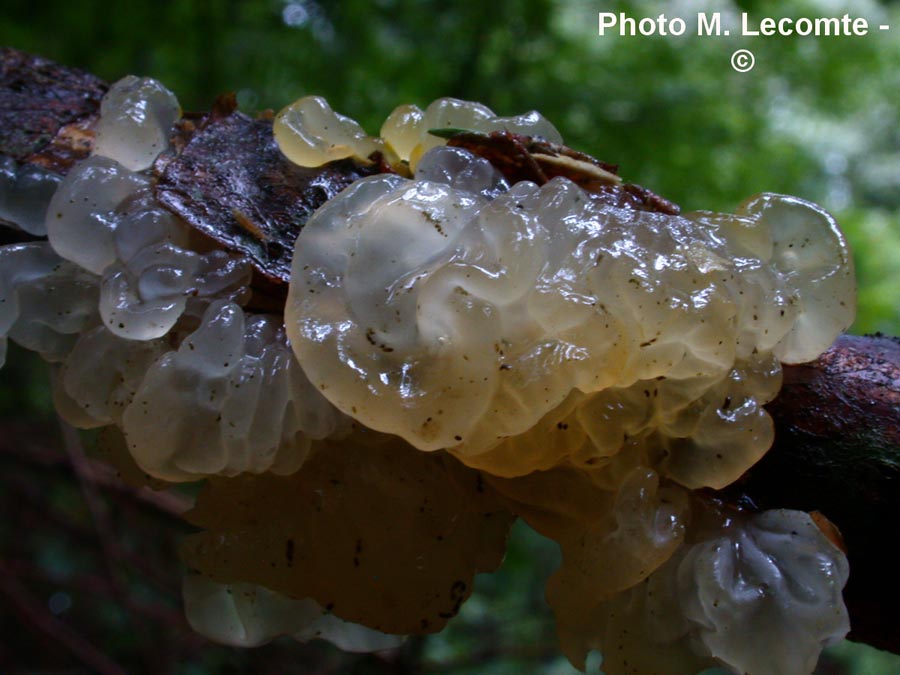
[(231, 182), (837, 450), (46, 110)]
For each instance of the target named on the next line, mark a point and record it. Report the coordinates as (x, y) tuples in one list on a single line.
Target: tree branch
[(837, 450), (98, 473)]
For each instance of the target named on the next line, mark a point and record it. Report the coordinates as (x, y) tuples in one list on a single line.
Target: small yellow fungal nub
[(311, 134), (403, 128)]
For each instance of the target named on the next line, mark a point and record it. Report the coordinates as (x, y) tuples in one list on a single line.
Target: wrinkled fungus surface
[(758, 594), (469, 336), (425, 309)]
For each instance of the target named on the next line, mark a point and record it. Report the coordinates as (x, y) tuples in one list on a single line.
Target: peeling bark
[(46, 110), (232, 183)]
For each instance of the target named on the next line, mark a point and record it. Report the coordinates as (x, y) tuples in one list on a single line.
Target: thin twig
[(35, 498), (32, 613), (100, 474), (92, 584), (105, 534)]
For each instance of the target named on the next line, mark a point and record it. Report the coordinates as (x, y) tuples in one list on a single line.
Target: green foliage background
[(816, 117)]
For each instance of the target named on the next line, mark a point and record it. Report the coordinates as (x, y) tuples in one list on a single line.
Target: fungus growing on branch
[(479, 324)]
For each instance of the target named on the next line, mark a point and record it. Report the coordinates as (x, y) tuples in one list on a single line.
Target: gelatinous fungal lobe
[(407, 128), (311, 134), (100, 375), (374, 531), (457, 321), (82, 216), (45, 301), (756, 593), (230, 399), (249, 615), (615, 526), (198, 385), (150, 273), (641, 530), (25, 190), (136, 118)]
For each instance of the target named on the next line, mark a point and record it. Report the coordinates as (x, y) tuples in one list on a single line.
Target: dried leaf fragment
[(520, 157)]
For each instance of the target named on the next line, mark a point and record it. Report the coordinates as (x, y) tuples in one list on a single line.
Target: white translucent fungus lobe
[(249, 615), (446, 113), (156, 274), (243, 615), (100, 376), (462, 170), (145, 291), (25, 192), (455, 321), (45, 302), (528, 124), (82, 216), (231, 399), (136, 118), (310, 133), (220, 276), (105, 218), (809, 247), (758, 594), (771, 592)]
